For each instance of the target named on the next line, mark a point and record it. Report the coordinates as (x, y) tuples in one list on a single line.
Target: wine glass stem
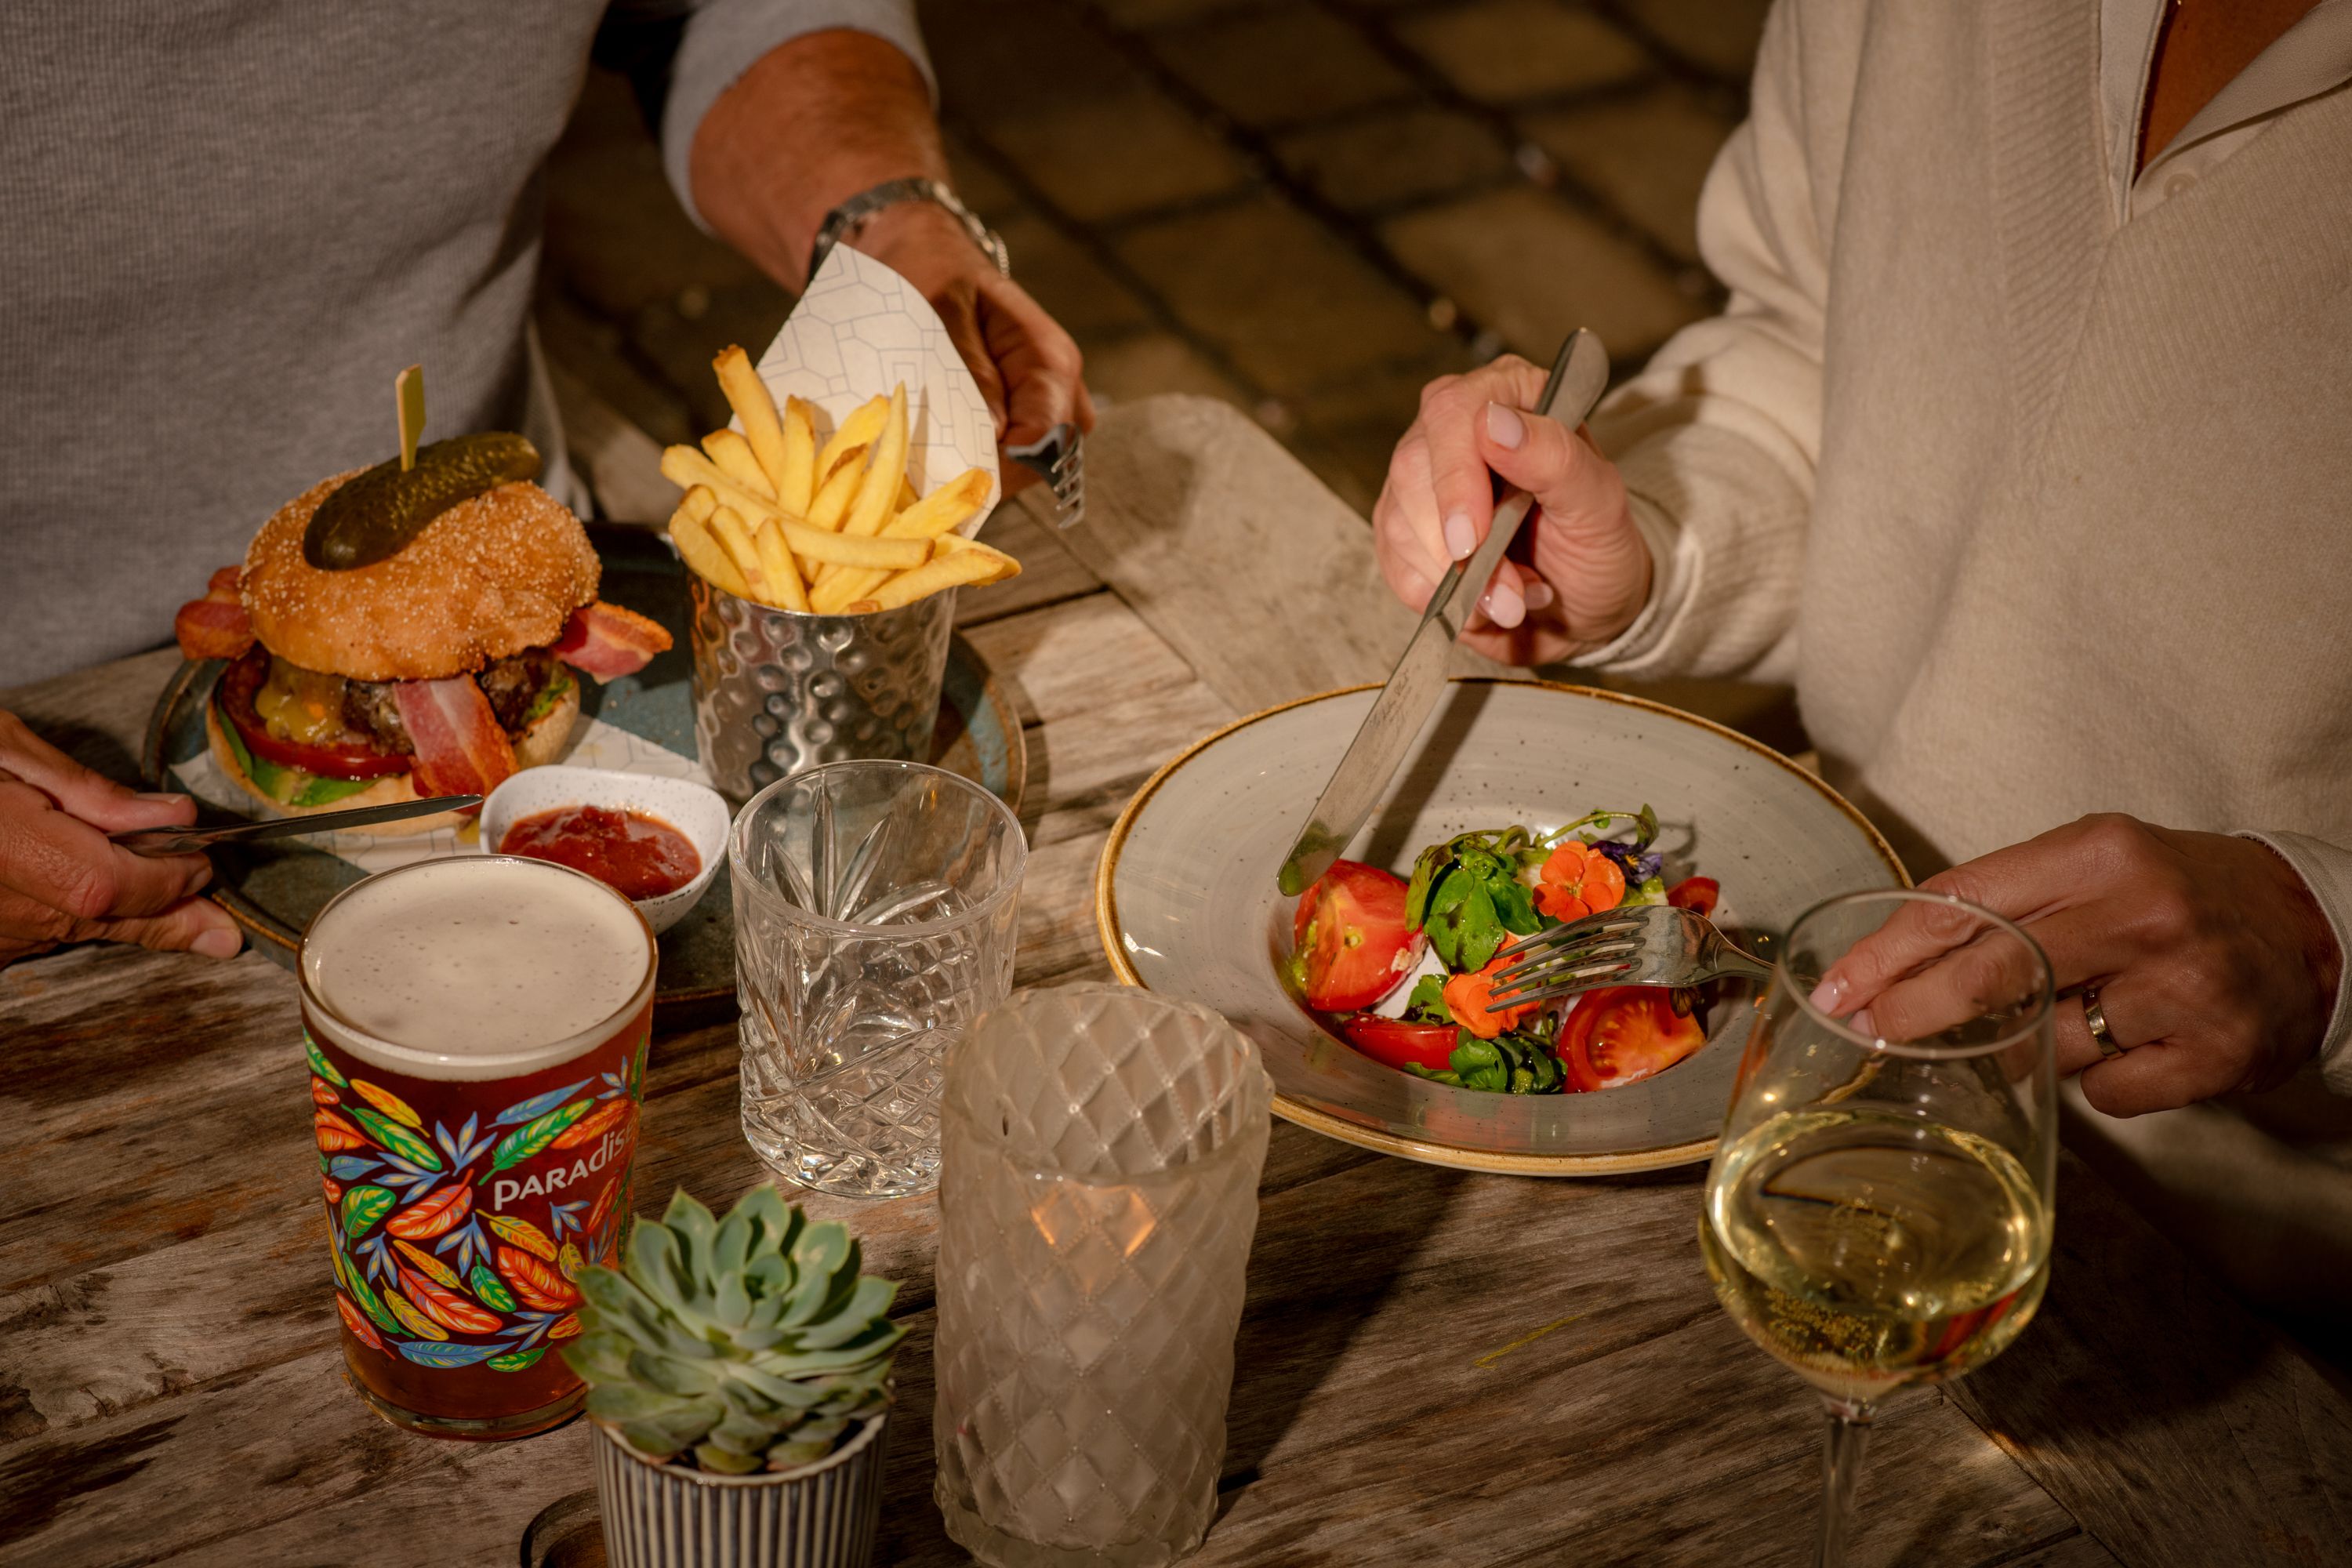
[(1841, 1449)]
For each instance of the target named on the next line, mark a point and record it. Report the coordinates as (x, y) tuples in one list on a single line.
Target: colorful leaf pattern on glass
[(335, 1133), (533, 1137), (608, 1116), (320, 1064), (535, 1282), (362, 1206), (356, 1321), (437, 1213), (522, 1233), (417, 1228), (391, 1104), (413, 1317), (446, 1307), (401, 1139), (424, 1263), (492, 1290)]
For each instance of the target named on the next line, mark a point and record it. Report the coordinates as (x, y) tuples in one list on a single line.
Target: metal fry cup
[(776, 692)]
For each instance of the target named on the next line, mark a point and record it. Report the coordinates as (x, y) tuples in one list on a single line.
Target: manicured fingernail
[(1503, 605), (1829, 993), (219, 944), (1862, 1023), (1504, 427), (1460, 541), (1539, 595)]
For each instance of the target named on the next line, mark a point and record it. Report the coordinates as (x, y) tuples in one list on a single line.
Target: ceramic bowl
[(1185, 898), (693, 809)]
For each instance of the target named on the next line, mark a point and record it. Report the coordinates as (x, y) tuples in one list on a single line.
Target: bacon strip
[(606, 640), (215, 627), (460, 750)]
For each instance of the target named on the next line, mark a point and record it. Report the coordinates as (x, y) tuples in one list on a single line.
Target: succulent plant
[(737, 1344)]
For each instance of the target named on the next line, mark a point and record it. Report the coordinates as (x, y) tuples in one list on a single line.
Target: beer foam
[(474, 966)]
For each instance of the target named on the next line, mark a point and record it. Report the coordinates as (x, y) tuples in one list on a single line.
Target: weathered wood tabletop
[(1435, 1367)]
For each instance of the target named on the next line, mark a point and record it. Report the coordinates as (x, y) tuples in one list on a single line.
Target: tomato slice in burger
[(1392, 1042), (1350, 945), (1621, 1034), (238, 684)]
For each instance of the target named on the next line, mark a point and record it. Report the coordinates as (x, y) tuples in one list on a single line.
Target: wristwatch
[(844, 220)]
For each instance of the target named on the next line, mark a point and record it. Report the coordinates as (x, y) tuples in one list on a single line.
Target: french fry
[(796, 480), (1001, 565), (729, 530), (833, 596), (700, 503), (776, 563), (850, 550), (944, 510), (833, 498), (858, 430), (885, 470), (961, 566), (906, 496), (687, 467), (747, 395), (733, 454), (702, 554)]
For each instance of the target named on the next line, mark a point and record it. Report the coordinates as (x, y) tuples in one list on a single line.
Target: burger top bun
[(489, 577), (542, 743)]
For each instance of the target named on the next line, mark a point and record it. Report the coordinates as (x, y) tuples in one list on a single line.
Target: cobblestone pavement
[(1308, 207)]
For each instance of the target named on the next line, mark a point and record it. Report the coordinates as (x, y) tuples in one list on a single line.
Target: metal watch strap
[(840, 220)]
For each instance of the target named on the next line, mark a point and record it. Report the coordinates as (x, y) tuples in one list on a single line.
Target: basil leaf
[(1480, 931), (1514, 906), (1427, 1003)]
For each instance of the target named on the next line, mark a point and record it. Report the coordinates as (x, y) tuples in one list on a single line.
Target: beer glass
[(475, 1028)]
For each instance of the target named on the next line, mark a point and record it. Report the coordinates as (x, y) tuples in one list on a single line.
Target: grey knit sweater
[(224, 225)]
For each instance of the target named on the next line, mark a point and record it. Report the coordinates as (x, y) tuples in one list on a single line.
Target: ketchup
[(638, 856)]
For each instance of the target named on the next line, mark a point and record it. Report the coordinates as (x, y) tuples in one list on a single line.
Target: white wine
[(1867, 1249)]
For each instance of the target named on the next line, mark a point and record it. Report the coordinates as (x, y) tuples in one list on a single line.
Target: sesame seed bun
[(488, 578), (542, 743)]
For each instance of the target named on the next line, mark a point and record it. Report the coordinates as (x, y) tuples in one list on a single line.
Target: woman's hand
[(1578, 573), (61, 881), (2214, 967), (1028, 368)]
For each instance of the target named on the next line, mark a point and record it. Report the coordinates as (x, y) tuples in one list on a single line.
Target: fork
[(1059, 458), (1651, 944)]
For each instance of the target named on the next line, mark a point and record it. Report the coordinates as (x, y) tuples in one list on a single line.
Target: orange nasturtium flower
[(1577, 881), (1466, 997)]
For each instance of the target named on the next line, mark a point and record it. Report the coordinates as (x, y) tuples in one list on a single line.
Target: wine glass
[(1878, 1212)]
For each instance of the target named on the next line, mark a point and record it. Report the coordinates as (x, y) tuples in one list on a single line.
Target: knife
[(1579, 376), (156, 841)]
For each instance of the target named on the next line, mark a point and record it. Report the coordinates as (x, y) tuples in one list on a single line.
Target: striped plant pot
[(663, 1516)]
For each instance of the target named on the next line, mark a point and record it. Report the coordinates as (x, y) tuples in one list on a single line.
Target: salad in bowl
[(1404, 969)]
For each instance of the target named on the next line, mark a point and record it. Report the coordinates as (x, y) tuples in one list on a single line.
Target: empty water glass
[(1103, 1152), (876, 910)]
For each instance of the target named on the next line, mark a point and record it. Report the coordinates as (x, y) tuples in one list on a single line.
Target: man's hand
[(2214, 967), (1027, 366), (61, 881), (1578, 573), (824, 116)]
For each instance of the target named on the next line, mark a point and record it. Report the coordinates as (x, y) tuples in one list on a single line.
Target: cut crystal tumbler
[(1102, 1147), (876, 910)]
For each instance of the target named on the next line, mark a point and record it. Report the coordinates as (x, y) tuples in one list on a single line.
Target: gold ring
[(2094, 1016)]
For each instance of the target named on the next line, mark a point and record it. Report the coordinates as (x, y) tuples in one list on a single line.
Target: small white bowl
[(694, 810)]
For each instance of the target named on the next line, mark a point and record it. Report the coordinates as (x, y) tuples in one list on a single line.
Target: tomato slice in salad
[(1698, 894), (1621, 1034), (1349, 945), (1393, 1042)]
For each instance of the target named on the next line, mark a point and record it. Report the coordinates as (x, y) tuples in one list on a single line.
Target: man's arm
[(825, 115)]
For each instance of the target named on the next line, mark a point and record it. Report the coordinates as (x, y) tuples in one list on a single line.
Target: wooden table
[(1435, 1367)]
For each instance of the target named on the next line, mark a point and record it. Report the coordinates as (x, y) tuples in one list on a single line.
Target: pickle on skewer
[(373, 516)]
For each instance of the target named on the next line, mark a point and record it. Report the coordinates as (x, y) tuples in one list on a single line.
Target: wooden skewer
[(408, 395)]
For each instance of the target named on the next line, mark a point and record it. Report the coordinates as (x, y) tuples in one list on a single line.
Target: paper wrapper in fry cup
[(776, 692)]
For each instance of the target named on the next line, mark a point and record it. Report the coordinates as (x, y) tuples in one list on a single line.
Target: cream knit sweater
[(2042, 515)]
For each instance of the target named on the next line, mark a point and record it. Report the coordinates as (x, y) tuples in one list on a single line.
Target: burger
[(441, 668)]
